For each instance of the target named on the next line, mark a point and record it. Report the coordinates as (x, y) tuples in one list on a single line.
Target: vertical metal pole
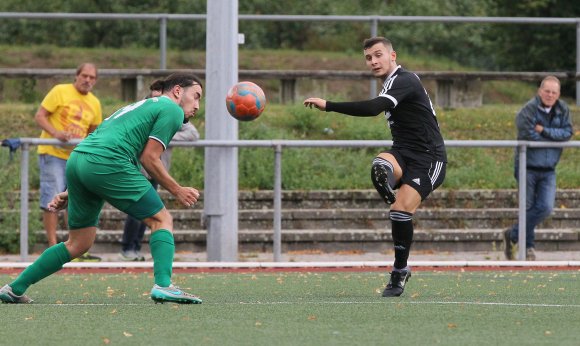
[(522, 202), (24, 202), (163, 42), (221, 163), (577, 62), (278, 203), (374, 31)]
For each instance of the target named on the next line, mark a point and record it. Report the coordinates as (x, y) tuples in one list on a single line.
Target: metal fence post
[(278, 203), (374, 32), (522, 202), (577, 62), (163, 42), (24, 202)]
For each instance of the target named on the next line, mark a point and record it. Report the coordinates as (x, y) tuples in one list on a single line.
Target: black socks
[(402, 231)]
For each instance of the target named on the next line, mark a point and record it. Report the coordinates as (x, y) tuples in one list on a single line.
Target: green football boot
[(173, 294)]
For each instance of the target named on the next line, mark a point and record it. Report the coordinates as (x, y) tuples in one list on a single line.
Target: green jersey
[(124, 134)]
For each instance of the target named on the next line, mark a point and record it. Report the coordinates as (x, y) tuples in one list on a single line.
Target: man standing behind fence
[(68, 111), (544, 118)]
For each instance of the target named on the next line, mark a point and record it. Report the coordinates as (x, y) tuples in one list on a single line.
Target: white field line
[(573, 306), (352, 264)]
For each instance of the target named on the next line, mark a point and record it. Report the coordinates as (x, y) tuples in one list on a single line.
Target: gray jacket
[(557, 128), (187, 132)]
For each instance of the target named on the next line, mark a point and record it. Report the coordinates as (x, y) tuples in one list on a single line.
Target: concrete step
[(360, 218), (451, 218), (350, 199), (352, 239)]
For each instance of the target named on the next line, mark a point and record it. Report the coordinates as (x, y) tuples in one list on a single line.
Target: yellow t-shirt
[(72, 112)]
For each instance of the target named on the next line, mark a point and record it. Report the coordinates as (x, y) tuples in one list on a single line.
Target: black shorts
[(422, 173)]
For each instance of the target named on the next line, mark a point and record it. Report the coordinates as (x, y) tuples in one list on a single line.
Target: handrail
[(277, 145), (314, 74)]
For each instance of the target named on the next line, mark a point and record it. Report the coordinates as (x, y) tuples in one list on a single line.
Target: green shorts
[(93, 179)]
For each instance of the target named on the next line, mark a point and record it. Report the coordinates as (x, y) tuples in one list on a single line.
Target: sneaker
[(7, 296), (381, 182), (140, 257), (508, 245), (173, 294), (129, 256), (397, 282), (87, 257), (530, 254)]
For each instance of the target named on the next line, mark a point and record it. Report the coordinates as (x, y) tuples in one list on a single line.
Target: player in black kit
[(415, 164)]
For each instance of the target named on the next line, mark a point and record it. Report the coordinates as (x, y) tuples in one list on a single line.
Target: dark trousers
[(134, 230)]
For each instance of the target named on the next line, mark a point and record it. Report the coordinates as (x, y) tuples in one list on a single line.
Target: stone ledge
[(314, 199), (340, 235), (330, 240)]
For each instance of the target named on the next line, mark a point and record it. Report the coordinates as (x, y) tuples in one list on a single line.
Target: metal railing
[(277, 146)]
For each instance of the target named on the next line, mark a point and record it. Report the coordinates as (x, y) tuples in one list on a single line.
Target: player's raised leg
[(385, 175)]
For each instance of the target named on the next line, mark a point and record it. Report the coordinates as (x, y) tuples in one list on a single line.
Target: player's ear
[(177, 91)]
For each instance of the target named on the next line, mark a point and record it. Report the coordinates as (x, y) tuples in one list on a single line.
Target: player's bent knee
[(161, 220), (408, 199), (76, 249)]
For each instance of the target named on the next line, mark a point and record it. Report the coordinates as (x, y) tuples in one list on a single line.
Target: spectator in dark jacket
[(544, 118)]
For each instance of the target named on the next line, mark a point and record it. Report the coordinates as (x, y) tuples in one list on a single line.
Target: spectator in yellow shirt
[(68, 111)]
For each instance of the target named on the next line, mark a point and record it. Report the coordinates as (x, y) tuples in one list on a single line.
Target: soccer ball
[(245, 101)]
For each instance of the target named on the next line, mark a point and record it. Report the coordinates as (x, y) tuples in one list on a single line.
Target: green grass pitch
[(301, 308)]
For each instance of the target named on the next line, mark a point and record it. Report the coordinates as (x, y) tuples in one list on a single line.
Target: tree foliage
[(529, 47)]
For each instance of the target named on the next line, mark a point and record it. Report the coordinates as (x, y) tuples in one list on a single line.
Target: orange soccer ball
[(245, 101)]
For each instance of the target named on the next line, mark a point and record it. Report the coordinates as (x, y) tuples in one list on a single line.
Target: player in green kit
[(105, 167)]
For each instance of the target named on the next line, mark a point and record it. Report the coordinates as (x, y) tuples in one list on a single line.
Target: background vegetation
[(518, 47), (297, 45)]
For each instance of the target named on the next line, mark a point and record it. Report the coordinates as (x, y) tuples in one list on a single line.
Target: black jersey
[(408, 111), (410, 114)]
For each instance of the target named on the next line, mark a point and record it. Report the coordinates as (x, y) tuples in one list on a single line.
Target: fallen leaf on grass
[(451, 325), (258, 323), (114, 311), (312, 318), (305, 252), (350, 252), (127, 334)]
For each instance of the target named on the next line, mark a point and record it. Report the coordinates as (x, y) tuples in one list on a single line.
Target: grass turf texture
[(289, 308)]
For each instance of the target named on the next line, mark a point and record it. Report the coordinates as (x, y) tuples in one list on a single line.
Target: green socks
[(53, 258), (51, 261), (162, 249)]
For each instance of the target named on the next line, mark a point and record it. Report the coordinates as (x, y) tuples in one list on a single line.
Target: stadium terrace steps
[(357, 220), (455, 218), (371, 240)]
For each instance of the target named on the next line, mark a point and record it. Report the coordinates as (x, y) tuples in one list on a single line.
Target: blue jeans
[(540, 198)]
